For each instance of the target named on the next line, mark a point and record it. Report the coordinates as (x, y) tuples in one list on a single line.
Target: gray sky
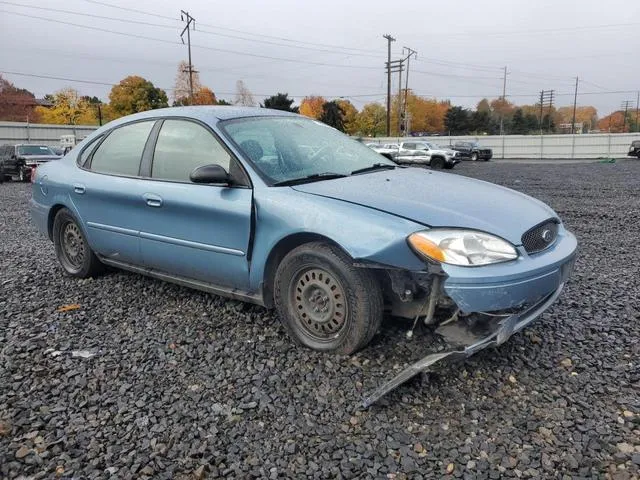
[(462, 46)]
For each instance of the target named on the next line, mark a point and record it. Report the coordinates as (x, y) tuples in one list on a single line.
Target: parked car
[(634, 149), (472, 151), (57, 150), (416, 152), (332, 235), (389, 150), (19, 160)]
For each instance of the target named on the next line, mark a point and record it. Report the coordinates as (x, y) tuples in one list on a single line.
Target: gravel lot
[(187, 385)]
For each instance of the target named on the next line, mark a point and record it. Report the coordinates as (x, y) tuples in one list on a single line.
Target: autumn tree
[(16, 104), (349, 116), (586, 115), (483, 106), (136, 94), (69, 108), (613, 123), (312, 106), (280, 101), (204, 96), (372, 119), (182, 88), (243, 95)]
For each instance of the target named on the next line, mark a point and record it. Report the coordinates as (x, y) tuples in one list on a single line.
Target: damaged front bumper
[(525, 288), (501, 331)]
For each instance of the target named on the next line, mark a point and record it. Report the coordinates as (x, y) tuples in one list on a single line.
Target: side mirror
[(210, 174)]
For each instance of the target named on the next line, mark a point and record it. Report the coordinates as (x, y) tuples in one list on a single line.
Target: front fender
[(364, 233)]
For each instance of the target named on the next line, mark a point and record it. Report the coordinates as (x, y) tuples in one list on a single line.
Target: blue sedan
[(283, 211)]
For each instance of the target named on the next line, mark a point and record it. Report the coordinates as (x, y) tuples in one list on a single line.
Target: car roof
[(206, 113)]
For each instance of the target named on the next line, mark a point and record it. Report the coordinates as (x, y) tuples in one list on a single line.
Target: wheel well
[(436, 157), (278, 252), (52, 216)]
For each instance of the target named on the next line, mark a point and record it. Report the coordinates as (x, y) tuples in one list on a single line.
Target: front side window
[(121, 151), (182, 147), (289, 148)]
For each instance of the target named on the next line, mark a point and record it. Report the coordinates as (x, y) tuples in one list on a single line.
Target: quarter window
[(184, 146), (121, 151), (84, 156)]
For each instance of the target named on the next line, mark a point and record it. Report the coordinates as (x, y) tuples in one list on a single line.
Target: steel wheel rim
[(72, 245), (319, 304)]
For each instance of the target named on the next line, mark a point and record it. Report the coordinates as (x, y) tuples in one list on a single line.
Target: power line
[(94, 82), (233, 30), (169, 42), (537, 31), (207, 32)]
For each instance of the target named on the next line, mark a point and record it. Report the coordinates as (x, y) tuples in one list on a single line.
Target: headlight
[(461, 247)]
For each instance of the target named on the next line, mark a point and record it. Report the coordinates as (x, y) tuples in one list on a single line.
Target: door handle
[(79, 188), (152, 200)]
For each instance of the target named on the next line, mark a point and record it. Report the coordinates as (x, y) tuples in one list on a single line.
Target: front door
[(190, 230)]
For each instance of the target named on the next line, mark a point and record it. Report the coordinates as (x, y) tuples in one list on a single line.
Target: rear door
[(107, 192), (200, 232)]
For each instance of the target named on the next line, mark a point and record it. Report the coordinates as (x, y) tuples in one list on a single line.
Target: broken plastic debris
[(82, 354), (68, 308)]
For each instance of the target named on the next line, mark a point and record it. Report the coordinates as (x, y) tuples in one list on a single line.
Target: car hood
[(438, 199)]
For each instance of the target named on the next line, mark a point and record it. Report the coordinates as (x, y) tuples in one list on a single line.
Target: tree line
[(419, 115)]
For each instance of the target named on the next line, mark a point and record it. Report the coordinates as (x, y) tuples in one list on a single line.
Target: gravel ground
[(188, 385)]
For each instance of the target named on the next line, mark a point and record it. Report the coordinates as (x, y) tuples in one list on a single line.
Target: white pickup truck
[(426, 153)]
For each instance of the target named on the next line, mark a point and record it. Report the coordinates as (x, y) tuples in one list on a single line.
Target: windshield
[(34, 150), (287, 148)]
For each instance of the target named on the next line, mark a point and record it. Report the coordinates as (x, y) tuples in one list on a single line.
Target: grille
[(540, 237), (485, 151)]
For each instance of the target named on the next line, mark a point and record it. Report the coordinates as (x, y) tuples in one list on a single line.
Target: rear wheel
[(474, 156), (437, 163), (72, 249), (324, 302)]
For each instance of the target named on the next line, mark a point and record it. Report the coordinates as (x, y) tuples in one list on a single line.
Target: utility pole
[(575, 101), (403, 113), (389, 40), (397, 66), (625, 106), (184, 16), (504, 93), (637, 108), (99, 115)]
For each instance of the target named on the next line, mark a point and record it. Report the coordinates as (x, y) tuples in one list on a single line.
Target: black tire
[(437, 163), (72, 249), (309, 284), (474, 157)]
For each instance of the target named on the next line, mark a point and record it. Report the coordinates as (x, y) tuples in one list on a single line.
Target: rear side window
[(120, 153), (183, 146)]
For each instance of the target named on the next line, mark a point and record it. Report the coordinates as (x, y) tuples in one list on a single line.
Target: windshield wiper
[(316, 177), (374, 167)]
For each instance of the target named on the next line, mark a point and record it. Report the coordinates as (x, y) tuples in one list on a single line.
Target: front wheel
[(324, 301), (72, 249), (474, 157), (437, 163)]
